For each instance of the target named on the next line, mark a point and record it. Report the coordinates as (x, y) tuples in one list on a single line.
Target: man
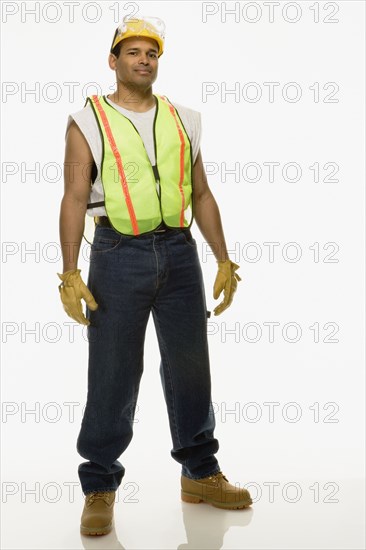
[(148, 172)]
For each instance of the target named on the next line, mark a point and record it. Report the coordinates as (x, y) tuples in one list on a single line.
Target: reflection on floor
[(285, 514)]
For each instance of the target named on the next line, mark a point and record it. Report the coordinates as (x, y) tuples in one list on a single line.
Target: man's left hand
[(226, 280)]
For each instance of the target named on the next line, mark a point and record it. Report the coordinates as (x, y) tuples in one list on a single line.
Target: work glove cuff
[(233, 267), (69, 276)]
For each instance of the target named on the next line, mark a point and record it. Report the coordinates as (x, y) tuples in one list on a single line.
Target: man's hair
[(117, 49)]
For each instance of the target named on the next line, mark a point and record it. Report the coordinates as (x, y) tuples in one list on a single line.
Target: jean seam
[(157, 262), (170, 378)]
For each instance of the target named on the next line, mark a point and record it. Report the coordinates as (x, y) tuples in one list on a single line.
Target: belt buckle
[(160, 230)]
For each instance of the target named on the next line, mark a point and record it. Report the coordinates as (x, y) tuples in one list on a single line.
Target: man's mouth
[(143, 71)]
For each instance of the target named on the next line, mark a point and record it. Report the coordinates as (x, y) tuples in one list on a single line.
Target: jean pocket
[(105, 241), (187, 235)]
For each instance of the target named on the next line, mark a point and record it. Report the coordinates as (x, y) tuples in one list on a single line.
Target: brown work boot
[(215, 490), (97, 516)]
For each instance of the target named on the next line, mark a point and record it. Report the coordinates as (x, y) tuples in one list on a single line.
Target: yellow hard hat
[(151, 27)]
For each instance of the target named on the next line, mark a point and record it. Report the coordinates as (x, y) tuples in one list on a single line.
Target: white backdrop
[(280, 87)]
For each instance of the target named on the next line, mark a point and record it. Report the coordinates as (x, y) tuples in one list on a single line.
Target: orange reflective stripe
[(181, 163), (121, 171)]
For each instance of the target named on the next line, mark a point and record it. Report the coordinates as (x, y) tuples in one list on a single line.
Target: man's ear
[(112, 61)]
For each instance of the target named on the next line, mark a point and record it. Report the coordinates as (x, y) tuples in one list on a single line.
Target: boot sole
[(194, 499), (96, 530)]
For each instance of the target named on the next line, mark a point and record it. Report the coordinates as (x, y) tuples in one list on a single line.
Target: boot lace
[(104, 495), (217, 477)]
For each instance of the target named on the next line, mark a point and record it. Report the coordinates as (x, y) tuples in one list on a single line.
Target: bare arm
[(206, 212), (77, 180)]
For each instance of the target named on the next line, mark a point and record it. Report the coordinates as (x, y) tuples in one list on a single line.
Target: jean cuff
[(203, 476), (101, 490)]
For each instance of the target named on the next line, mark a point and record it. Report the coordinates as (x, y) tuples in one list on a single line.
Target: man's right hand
[(72, 289)]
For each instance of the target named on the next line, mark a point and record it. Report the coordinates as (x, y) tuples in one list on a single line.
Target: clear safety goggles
[(138, 24)]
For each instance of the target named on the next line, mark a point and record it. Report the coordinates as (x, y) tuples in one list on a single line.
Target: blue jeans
[(129, 277)]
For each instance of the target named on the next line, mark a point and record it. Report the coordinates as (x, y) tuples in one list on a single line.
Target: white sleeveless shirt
[(87, 123)]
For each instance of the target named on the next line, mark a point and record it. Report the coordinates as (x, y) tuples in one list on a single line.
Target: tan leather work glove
[(226, 280), (72, 289)]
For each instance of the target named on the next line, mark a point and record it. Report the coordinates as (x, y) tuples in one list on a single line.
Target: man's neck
[(133, 101)]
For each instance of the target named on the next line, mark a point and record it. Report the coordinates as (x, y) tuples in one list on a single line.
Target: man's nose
[(144, 59)]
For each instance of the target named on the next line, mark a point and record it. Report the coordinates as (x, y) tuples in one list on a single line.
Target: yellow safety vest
[(137, 195)]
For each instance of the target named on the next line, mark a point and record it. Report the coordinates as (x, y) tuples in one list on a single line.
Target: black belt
[(104, 222)]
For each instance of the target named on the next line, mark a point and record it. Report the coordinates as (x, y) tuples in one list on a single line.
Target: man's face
[(137, 63)]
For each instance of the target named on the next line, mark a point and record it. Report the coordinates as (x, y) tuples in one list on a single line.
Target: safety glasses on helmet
[(150, 27)]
